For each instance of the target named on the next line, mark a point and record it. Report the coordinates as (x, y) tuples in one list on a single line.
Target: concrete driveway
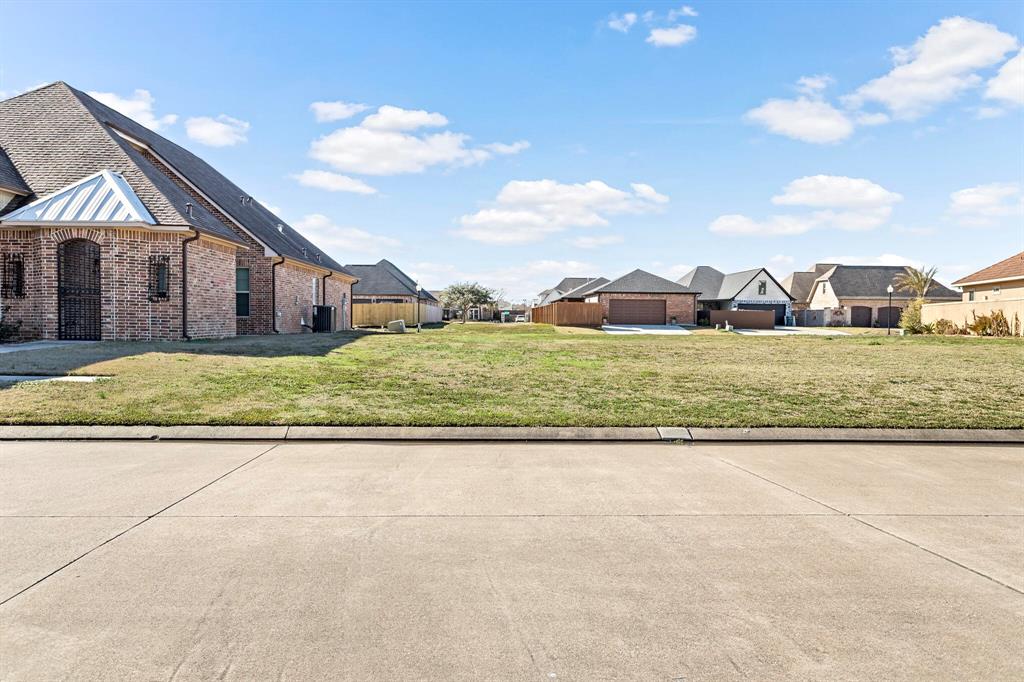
[(478, 561), (670, 329)]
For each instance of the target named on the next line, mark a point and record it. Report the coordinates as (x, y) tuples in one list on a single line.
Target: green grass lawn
[(483, 374)]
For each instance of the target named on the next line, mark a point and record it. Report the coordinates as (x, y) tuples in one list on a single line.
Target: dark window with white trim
[(14, 276), (762, 287), (970, 295), (242, 292), (159, 277)]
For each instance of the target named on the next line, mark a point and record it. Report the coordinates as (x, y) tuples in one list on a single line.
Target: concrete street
[(572, 561)]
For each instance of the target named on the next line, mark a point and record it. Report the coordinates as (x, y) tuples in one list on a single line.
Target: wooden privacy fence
[(379, 314), (568, 314), (744, 319)]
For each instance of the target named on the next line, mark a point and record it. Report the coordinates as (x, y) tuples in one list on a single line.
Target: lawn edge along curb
[(510, 433)]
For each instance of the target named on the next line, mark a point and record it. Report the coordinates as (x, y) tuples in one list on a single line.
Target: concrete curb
[(511, 433)]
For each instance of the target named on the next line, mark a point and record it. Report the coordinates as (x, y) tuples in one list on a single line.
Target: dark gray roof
[(799, 285), (570, 283), (56, 135), (704, 279), (384, 279), (870, 281), (641, 282), (589, 284), (10, 179)]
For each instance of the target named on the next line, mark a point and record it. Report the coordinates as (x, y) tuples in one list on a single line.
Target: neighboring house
[(110, 231), (747, 290), (642, 298), (856, 295), (997, 287), (567, 284), (799, 285), (581, 292), (382, 284)]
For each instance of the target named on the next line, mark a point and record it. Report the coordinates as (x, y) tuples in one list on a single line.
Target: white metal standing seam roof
[(104, 197)]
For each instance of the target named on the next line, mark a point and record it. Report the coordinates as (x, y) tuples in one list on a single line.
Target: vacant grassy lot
[(482, 374)]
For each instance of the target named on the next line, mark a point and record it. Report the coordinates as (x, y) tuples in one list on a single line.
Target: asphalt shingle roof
[(1011, 267), (570, 283), (870, 281), (641, 282), (10, 179), (57, 135), (799, 285), (704, 279), (384, 279)]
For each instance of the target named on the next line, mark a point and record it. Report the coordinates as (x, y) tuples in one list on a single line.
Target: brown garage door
[(860, 316), (636, 311)]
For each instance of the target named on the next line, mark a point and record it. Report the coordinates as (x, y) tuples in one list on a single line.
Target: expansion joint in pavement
[(136, 525), (860, 520)]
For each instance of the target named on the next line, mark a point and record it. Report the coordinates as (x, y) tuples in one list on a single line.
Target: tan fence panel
[(568, 314), (745, 319), (379, 314)]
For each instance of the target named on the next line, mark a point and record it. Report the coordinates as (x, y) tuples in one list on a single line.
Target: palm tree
[(917, 281)]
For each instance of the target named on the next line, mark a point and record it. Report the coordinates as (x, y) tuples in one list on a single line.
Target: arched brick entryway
[(79, 305)]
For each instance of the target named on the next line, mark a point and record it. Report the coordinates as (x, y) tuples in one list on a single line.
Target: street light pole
[(888, 313)]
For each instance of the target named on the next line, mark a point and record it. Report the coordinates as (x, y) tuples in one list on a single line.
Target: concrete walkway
[(252, 561), (39, 345)]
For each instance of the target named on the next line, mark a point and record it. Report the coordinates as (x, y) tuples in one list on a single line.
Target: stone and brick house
[(643, 298), (857, 295), (754, 289), (110, 231)]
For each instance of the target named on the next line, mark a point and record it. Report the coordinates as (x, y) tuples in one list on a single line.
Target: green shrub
[(910, 319)]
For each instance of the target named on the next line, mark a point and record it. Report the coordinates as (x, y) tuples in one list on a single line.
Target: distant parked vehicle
[(520, 318)]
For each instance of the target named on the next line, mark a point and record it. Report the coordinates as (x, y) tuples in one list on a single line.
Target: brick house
[(642, 298), (857, 295), (110, 231)]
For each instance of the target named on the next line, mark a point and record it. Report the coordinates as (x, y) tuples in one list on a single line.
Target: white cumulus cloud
[(673, 36), (842, 203), (987, 205), (806, 119), (333, 182), (223, 131), (341, 242), (389, 142), (325, 112), (138, 106), (529, 210), (1008, 85), (938, 67)]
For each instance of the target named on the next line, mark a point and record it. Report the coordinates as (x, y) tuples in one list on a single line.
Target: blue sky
[(517, 143)]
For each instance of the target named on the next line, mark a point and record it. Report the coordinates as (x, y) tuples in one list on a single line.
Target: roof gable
[(1010, 268), (255, 218), (53, 141), (103, 197)]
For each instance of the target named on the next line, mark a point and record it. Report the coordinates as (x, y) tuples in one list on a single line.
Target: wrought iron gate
[(78, 290)]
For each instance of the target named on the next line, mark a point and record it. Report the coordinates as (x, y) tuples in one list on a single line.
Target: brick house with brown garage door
[(642, 298), (110, 231)]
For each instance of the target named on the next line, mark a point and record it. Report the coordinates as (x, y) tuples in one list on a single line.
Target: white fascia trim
[(997, 280), (267, 251)]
